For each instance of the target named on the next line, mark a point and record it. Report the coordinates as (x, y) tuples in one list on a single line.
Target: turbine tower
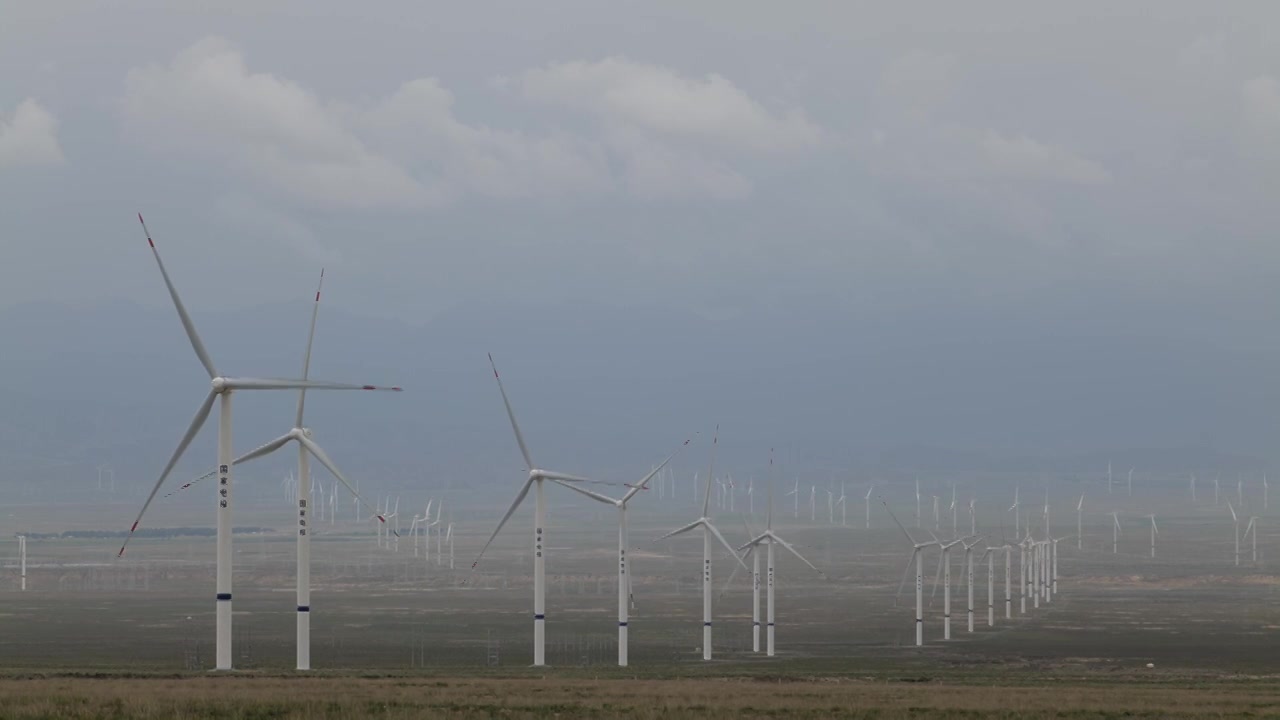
[(533, 480), (769, 538), (222, 388), (708, 531), (918, 559), (624, 578)]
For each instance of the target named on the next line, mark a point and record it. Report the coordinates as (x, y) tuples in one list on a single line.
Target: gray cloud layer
[(1099, 169)]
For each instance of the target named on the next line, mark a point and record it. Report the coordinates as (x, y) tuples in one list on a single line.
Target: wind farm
[(733, 361)]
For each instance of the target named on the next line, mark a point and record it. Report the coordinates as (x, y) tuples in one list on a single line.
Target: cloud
[(29, 137), (1023, 157), (660, 135), (207, 100), (659, 100)]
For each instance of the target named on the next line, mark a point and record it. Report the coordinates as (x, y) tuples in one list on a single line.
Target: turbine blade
[(795, 552), (895, 522), (187, 325), (726, 545), (550, 475), (906, 571), (524, 490), (306, 359), (266, 449), (691, 526), (197, 422), (319, 454), (641, 485), (733, 575), (524, 449), (593, 495), (706, 496), (296, 384)]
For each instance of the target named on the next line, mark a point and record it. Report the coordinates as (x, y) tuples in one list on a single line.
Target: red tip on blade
[(135, 527), (317, 296), (474, 564), (397, 389), (369, 387), (384, 520), (121, 553)]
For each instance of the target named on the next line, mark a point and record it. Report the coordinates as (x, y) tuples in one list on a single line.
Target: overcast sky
[(1099, 169)]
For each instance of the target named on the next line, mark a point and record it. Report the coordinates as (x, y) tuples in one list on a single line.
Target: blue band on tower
[(224, 596)]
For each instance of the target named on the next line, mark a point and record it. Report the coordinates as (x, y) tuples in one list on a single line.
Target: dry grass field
[(554, 696)]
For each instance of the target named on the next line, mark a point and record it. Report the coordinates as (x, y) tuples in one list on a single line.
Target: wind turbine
[(624, 579), (1193, 487), (916, 556), (22, 559), (795, 494), (867, 502), (973, 517), (844, 508), (1130, 482), (968, 562), (954, 530), (1236, 522), (1265, 488), (937, 519), (989, 556), (1080, 523), (945, 562), (1115, 533), (708, 531), (917, 503), (1017, 526), (435, 524), (769, 538), (813, 507), (221, 387), (1240, 491), (448, 538), (751, 500), (1154, 532), (1215, 491), (533, 480), (1253, 528)]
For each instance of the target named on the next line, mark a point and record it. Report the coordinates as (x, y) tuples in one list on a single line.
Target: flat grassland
[(558, 696), (394, 636)]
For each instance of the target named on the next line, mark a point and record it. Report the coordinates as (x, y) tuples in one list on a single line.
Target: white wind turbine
[(1017, 525), (222, 387), (867, 502), (944, 569), (795, 495), (918, 559), (844, 508), (751, 498), (448, 538), (1115, 533), (708, 531), (1193, 487), (937, 518), (435, 524), (394, 545), (1265, 488), (1252, 528), (768, 538), (813, 503), (533, 480), (1080, 523), (1154, 532), (1108, 477), (1240, 491), (973, 516), (1215, 490), (917, 503), (22, 560), (831, 506), (968, 564), (1054, 545), (624, 577), (1235, 521), (954, 529), (1130, 482)]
